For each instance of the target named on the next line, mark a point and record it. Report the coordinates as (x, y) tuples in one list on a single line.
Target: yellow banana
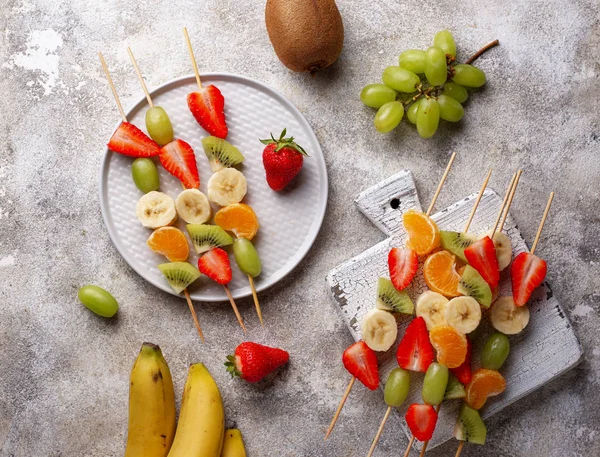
[(151, 405), (233, 444), (201, 419)]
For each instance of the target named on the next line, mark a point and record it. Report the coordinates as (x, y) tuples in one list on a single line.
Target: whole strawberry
[(253, 361), (282, 159)]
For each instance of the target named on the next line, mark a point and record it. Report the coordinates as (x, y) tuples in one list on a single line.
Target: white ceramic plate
[(290, 220)]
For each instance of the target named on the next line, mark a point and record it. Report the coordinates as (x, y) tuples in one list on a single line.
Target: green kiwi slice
[(179, 274), (390, 299), (472, 284), (469, 426), (456, 243), (454, 389), (205, 237), (221, 154)]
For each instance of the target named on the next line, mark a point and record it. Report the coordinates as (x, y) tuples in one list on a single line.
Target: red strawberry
[(527, 273), (215, 264), (481, 255), (463, 372), (421, 420), (415, 352), (131, 141), (253, 361), (177, 157), (207, 107), (403, 264), (360, 360), (282, 160)]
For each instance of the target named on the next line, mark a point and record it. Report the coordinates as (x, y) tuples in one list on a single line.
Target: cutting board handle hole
[(395, 203)]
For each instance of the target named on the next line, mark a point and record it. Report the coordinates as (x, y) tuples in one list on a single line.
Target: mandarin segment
[(484, 384), (170, 242), (439, 272), (423, 232), (238, 218), (450, 345)]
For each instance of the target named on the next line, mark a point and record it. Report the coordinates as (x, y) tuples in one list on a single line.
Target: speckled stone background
[(64, 371)]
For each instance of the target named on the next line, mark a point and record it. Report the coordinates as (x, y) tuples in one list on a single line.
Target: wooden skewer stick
[(385, 418), (439, 187), (140, 77), (510, 199), (193, 311), (503, 205), (194, 64), (481, 191), (542, 222), (339, 408), (409, 447), (112, 87), (256, 303), (235, 308), (459, 450)]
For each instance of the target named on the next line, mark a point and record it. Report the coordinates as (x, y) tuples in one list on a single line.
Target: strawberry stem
[(284, 142)]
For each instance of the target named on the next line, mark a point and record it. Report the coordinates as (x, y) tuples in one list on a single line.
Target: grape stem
[(482, 51)]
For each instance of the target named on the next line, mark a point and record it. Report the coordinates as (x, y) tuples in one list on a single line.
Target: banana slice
[(193, 206), (463, 313), (155, 210), (227, 186), (379, 329), (508, 318), (503, 248), (431, 307)]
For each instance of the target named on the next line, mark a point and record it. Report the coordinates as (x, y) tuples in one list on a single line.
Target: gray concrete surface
[(64, 372)]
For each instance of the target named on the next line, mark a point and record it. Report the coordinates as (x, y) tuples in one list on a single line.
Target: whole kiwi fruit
[(307, 35)]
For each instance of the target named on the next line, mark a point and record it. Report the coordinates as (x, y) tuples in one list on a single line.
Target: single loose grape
[(450, 109), (159, 125), (445, 41), (400, 79), (98, 300), (396, 387), (436, 70), (376, 95), (246, 257), (428, 117), (468, 75), (145, 175), (413, 110), (413, 60), (388, 117), (456, 91), (434, 384), (495, 351)]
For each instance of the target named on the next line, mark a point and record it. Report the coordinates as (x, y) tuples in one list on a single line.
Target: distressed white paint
[(7, 261)]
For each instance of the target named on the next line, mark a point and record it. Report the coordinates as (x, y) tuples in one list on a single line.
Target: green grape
[(396, 387), (412, 111), (434, 384), (246, 257), (145, 175), (428, 117), (98, 300), (388, 117), (376, 95), (456, 91), (400, 79), (450, 109), (445, 41), (495, 351), (468, 75), (413, 60), (436, 70), (159, 125)]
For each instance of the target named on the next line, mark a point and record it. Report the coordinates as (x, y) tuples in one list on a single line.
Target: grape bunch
[(429, 85)]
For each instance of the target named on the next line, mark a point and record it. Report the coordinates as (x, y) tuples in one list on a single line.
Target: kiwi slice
[(221, 154), (205, 237), (454, 389), (472, 284), (469, 426), (179, 274), (456, 243), (390, 299)]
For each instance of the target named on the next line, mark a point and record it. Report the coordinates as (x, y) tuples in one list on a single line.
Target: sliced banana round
[(193, 206), (463, 313), (431, 306), (503, 247), (227, 186), (379, 329), (508, 318), (155, 210)]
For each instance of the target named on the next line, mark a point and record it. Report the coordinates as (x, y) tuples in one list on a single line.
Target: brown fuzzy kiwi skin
[(307, 35)]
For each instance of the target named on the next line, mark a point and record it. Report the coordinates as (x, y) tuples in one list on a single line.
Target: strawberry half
[(131, 141), (527, 273), (415, 352), (178, 158), (282, 159), (207, 106), (360, 360), (253, 361), (421, 420), (215, 264), (481, 255), (463, 373), (403, 264)]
